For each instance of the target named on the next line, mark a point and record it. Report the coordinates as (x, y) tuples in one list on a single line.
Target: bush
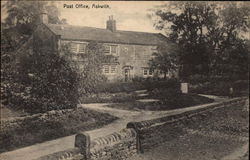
[(45, 81), (149, 84), (92, 73), (168, 83), (115, 87), (221, 88)]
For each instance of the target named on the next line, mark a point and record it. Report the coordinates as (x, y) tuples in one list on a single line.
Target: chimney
[(43, 17), (111, 24)]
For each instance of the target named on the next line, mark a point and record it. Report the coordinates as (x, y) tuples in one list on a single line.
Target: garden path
[(60, 144)]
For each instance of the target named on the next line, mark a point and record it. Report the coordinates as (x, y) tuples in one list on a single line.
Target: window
[(107, 49), (148, 72), (106, 69), (109, 69), (82, 48), (113, 49), (110, 49), (73, 47), (78, 47), (113, 69)]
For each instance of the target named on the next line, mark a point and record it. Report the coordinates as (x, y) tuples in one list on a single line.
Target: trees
[(91, 73), (165, 59), (24, 15), (41, 80), (206, 30)]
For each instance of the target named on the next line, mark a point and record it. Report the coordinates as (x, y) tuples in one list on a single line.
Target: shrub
[(221, 88), (149, 84), (92, 72), (168, 83), (47, 82)]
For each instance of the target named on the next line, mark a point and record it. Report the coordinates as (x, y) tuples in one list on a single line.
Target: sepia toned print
[(124, 80)]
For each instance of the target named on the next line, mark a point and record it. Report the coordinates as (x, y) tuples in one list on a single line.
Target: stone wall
[(154, 132), (119, 145)]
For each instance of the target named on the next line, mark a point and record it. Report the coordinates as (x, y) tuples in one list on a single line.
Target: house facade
[(130, 50)]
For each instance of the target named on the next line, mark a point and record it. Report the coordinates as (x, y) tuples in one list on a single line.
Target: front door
[(127, 74)]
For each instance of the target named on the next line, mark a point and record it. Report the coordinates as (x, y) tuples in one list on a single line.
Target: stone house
[(131, 50)]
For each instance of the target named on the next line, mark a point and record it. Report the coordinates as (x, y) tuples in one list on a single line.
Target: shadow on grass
[(165, 103)]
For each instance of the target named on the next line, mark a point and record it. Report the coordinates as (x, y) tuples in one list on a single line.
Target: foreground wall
[(119, 145), (139, 137)]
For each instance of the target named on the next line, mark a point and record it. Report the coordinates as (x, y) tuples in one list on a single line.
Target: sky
[(131, 16)]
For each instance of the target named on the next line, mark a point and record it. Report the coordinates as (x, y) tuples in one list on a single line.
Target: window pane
[(113, 69), (150, 72), (107, 49), (82, 48), (113, 49), (145, 72), (73, 47), (106, 69)]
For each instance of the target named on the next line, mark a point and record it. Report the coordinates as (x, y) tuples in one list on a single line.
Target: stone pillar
[(134, 126), (184, 87), (82, 141)]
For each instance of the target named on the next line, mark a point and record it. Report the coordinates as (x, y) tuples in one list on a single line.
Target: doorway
[(127, 74)]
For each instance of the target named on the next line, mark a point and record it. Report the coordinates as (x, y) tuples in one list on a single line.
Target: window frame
[(109, 69), (78, 44), (108, 49), (149, 72)]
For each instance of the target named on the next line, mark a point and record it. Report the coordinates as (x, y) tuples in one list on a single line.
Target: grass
[(167, 99), (50, 126)]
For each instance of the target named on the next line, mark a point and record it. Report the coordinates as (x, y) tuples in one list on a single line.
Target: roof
[(69, 32)]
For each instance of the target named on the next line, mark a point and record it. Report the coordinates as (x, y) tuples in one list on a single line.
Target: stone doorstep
[(141, 91), (142, 95), (148, 100)]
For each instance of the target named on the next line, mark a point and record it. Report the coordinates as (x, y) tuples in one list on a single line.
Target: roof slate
[(69, 32)]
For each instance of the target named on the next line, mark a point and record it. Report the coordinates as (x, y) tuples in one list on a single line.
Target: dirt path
[(60, 144)]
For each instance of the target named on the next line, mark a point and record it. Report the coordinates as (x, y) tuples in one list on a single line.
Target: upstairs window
[(73, 47), (111, 50), (82, 48), (78, 47)]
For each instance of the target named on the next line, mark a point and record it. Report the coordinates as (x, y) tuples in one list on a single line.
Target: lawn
[(166, 99), (25, 131)]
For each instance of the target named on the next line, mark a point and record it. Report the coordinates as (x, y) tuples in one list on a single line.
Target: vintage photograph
[(124, 80)]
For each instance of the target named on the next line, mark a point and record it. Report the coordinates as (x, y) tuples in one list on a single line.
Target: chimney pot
[(111, 24), (44, 16)]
